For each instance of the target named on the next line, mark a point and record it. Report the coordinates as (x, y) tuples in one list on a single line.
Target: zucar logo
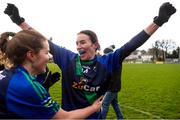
[(82, 86)]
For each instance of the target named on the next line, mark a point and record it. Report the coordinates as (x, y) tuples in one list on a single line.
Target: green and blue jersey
[(22, 96), (84, 81)]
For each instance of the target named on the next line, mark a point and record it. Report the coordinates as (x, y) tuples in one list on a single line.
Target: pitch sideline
[(143, 112)]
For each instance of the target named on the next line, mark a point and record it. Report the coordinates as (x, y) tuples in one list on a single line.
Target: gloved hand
[(51, 79), (112, 46), (165, 12), (13, 12)]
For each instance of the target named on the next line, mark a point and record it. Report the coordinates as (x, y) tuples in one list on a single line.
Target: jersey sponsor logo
[(86, 69), (85, 87), (1, 76)]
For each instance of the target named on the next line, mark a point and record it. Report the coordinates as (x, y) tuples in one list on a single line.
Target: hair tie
[(11, 34)]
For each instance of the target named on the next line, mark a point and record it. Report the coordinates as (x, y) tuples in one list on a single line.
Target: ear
[(30, 55), (97, 46)]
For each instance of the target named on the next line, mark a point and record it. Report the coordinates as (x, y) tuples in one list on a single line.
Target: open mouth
[(81, 51)]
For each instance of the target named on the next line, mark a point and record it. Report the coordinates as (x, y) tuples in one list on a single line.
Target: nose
[(50, 56)]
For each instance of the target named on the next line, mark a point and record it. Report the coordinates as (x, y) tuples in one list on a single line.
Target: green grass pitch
[(149, 91)]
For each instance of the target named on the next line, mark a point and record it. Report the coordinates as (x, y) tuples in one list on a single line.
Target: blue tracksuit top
[(77, 95), (22, 96)]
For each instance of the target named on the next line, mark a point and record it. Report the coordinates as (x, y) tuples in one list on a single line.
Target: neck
[(29, 69), (92, 57), (88, 59)]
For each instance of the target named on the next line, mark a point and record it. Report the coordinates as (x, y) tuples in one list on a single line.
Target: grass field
[(149, 91)]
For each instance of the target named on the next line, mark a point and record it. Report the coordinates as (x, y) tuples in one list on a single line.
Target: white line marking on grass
[(143, 112)]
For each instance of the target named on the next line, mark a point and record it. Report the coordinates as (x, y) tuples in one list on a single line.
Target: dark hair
[(16, 48), (93, 37)]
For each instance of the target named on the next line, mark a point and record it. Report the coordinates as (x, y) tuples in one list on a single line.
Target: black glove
[(13, 12), (112, 46), (51, 79), (165, 12)]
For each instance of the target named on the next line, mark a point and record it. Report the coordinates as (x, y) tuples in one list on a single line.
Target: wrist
[(158, 21), (25, 26), (20, 20), (150, 29)]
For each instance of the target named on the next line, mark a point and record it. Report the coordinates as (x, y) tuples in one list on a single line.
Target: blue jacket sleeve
[(115, 59), (61, 56), (134, 43)]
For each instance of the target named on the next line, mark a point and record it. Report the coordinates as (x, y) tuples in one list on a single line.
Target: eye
[(47, 52), (83, 42)]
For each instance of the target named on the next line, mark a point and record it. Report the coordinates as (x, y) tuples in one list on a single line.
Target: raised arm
[(166, 10), (13, 12)]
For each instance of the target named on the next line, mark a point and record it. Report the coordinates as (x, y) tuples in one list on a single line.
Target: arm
[(138, 40), (79, 113), (38, 99), (26, 26), (13, 12), (166, 10), (151, 28)]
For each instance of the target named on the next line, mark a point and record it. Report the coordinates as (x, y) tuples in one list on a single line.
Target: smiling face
[(41, 59), (85, 47)]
